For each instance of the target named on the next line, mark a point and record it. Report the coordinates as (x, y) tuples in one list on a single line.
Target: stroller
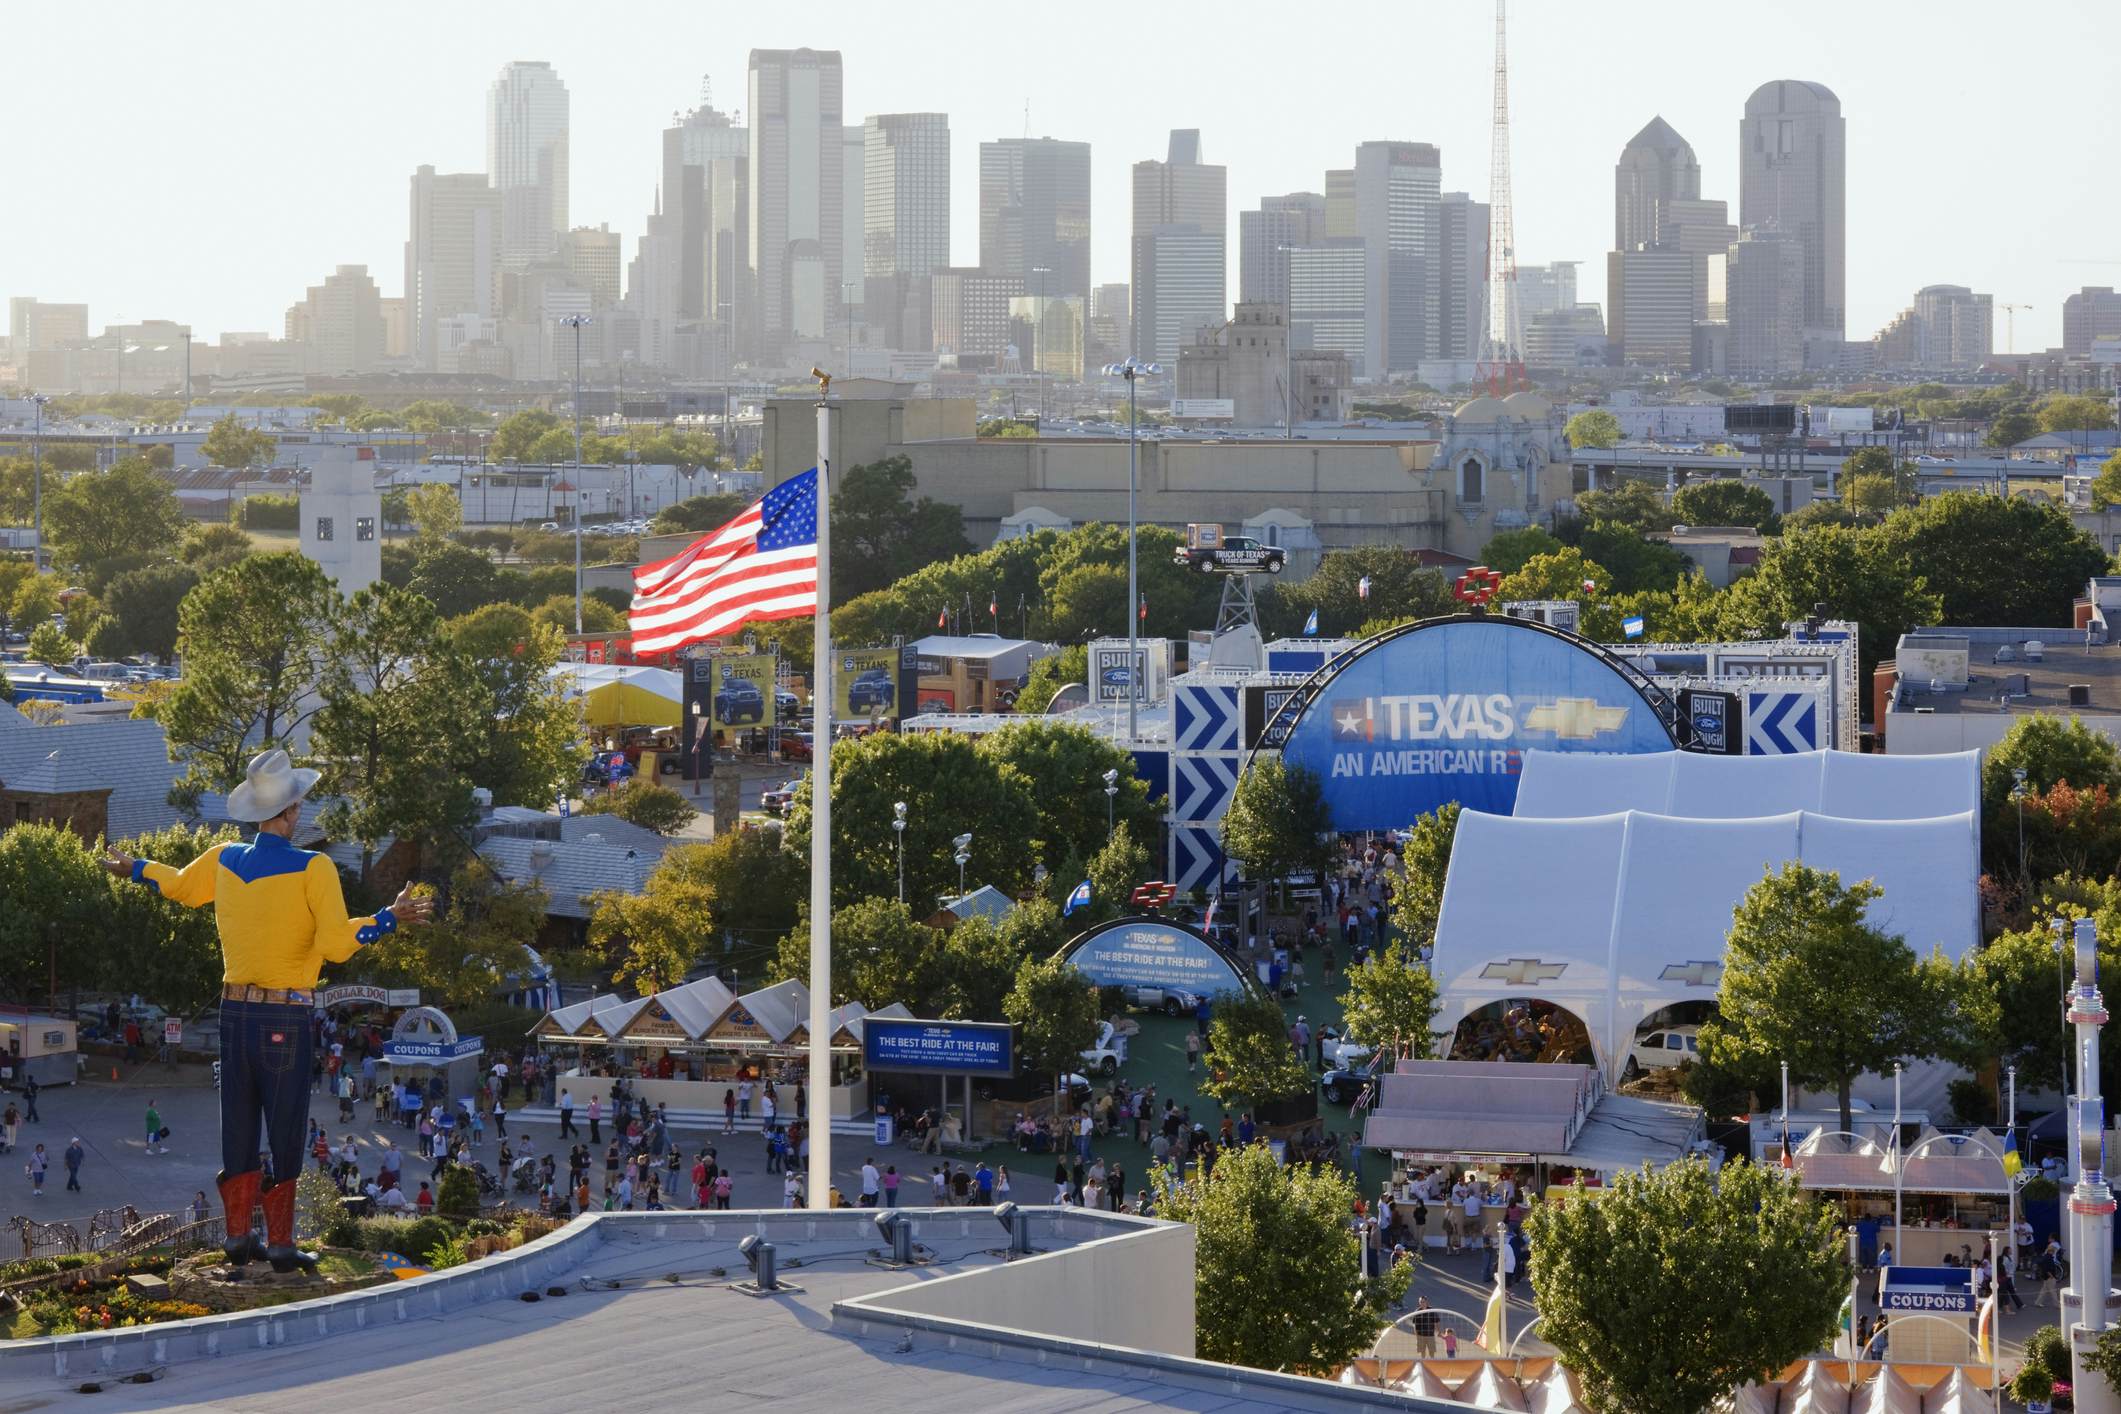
[(489, 1186)]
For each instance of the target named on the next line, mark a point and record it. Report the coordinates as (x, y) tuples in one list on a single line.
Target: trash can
[(884, 1130)]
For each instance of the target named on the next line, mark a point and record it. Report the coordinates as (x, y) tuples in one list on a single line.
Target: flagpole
[(820, 1111)]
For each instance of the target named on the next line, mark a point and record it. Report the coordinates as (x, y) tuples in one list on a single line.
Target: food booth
[(42, 1046)]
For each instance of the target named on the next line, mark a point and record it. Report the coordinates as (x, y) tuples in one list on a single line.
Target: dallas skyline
[(209, 174)]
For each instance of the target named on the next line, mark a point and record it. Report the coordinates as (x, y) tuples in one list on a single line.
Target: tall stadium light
[(575, 322), (898, 827), (1133, 370)]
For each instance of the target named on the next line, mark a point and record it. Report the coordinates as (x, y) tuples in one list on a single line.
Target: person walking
[(154, 1131), (1192, 1051), (890, 1185), (39, 1164), (74, 1155), (29, 1100), (728, 1111), (596, 1114), (567, 1128), (872, 1183), (10, 1125), (743, 1100)]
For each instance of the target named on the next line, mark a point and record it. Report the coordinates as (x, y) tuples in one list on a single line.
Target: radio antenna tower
[(1502, 359)]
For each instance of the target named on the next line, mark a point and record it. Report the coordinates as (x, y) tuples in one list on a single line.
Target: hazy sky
[(207, 163)]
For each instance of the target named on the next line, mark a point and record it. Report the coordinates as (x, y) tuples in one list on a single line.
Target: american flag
[(762, 565)]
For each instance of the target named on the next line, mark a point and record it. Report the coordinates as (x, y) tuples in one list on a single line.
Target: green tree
[(55, 914), (1391, 1001), (2074, 412), (1512, 550), (950, 788), (143, 603), (1399, 586), (230, 444), (1251, 1060), (252, 637), (1870, 498), (1064, 765), (1054, 1008), (48, 643), (479, 938), (1994, 560), (436, 512), (1636, 1290), (880, 532), (1633, 562), (696, 513), (98, 516), (1275, 1262), (527, 747), (651, 939), (516, 438), (554, 447), (557, 613), (1278, 822), (644, 803), (2012, 426), (1722, 501), (1050, 674), (2106, 486), (882, 954), (455, 579), (1808, 981), (1423, 859), (1630, 504), (155, 947), (1562, 575), (207, 548), (1594, 427), (742, 888), (396, 699), (2056, 754), (35, 599), (435, 415)]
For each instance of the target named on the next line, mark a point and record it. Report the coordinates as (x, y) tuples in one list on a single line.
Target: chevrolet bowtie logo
[(1520, 970), (1693, 974), (1575, 719)]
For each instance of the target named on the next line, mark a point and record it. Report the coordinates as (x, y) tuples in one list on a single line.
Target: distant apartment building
[(2091, 314), (1657, 165), (1328, 304), (1766, 292), (526, 159), (1574, 337), (1250, 362), (1340, 205), (1462, 314), (1955, 328), (797, 188), (452, 255), (1793, 182), (971, 311), (1034, 210), (1049, 333), (853, 222), (906, 223), (339, 324), (1650, 307), (1546, 289), (1180, 250), (591, 257), (1398, 214), (34, 325)]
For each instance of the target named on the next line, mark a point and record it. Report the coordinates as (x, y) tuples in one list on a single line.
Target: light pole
[(1133, 370), (37, 401), (963, 845), (2018, 797), (575, 322), (1038, 345), (898, 827), (1111, 791)]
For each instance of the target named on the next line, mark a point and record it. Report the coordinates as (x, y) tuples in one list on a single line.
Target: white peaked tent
[(1560, 785), (1617, 916)]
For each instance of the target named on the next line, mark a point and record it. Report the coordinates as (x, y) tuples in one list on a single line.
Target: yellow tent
[(616, 695)]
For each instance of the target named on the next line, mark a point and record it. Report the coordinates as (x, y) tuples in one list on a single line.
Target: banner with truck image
[(744, 686), (865, 685)]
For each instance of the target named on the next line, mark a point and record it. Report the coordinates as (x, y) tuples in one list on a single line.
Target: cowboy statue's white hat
[(269, 786)]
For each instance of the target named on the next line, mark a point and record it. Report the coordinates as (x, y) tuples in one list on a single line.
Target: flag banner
[(1632, 626), (758, 567), (1311, 624), (1079, 897), (1362, 587), (2011, 1162)]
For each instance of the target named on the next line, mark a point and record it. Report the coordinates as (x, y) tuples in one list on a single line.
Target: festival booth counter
[(684, 1047), (1542, 1122), (1941, 1197)]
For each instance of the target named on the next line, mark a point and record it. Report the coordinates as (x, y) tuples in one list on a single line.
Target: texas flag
[(1354, 719)]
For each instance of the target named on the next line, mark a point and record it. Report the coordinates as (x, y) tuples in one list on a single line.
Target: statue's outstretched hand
[(410, 908), (118, 863)]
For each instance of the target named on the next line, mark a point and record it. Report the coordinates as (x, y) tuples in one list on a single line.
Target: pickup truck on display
[(1171, 1001), (1208, 550)]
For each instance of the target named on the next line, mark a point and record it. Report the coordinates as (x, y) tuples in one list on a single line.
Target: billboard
[(1204, 407), (865, 685), (1154, 952), (1110, 677), (1715, 720), (743, 689), (1937, 1290), (1262, 710), (939, 1047), (1444, 711)]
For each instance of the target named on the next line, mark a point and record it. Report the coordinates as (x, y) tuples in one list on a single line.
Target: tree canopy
[(1278, 822), (1055, 1011), (1675, 1286), (1594, 427), (1721, 501), (1251, 1061), (646, 803), (100, 516), (880, 533)]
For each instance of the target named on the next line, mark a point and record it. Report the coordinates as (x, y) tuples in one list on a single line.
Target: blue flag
[(1078, 898), (1311, 624), (1632, 626)]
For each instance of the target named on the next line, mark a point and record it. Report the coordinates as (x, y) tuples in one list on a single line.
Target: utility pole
[(575, 322), (38, 400)]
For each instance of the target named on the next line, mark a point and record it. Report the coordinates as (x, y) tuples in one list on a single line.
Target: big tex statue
[(281, 916)]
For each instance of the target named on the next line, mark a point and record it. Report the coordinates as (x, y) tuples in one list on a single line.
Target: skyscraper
[(526, 158), (1656, 165), (1650, 306), (692, 267), (2093, 312), (1955, 328), (1180, 247), (1768, 277), (339, 324), (591, 255), (1462, 319), (1327, 309), (1793, 180), (796, 232), (452, 254), (1398, 200), (905, 193), (1264, 238), (1034, 209), (852, 223)]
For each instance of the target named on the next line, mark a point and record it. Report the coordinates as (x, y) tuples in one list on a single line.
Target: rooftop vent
[(2035, 650), (2080, 694), (540, 854), (2006, 654)]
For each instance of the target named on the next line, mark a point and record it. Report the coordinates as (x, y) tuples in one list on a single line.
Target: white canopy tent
[(1618, 916), (1559, 785)]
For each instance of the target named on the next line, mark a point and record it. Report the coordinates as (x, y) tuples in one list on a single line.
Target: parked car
[(739, 701), (1171, 1001), (1104, 1057), (1344, 1084), (786, 705), (797, 746), (1339, 1051), (871, 689), (1658, 1050), (550, 527), (777, 801)]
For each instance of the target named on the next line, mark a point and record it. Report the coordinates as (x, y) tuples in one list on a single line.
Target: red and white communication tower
[(1502, 356)]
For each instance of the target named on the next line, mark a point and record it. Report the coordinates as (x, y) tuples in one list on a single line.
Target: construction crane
[(2010, 325)]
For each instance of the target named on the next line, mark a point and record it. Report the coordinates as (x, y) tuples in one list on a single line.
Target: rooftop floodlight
[(758, 1255), (897, 1229), (1017, 1223)]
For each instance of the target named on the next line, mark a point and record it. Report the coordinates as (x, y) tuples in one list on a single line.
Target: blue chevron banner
[(1201, 786), (1204, 717), (1779, 723), (1196, 859)]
